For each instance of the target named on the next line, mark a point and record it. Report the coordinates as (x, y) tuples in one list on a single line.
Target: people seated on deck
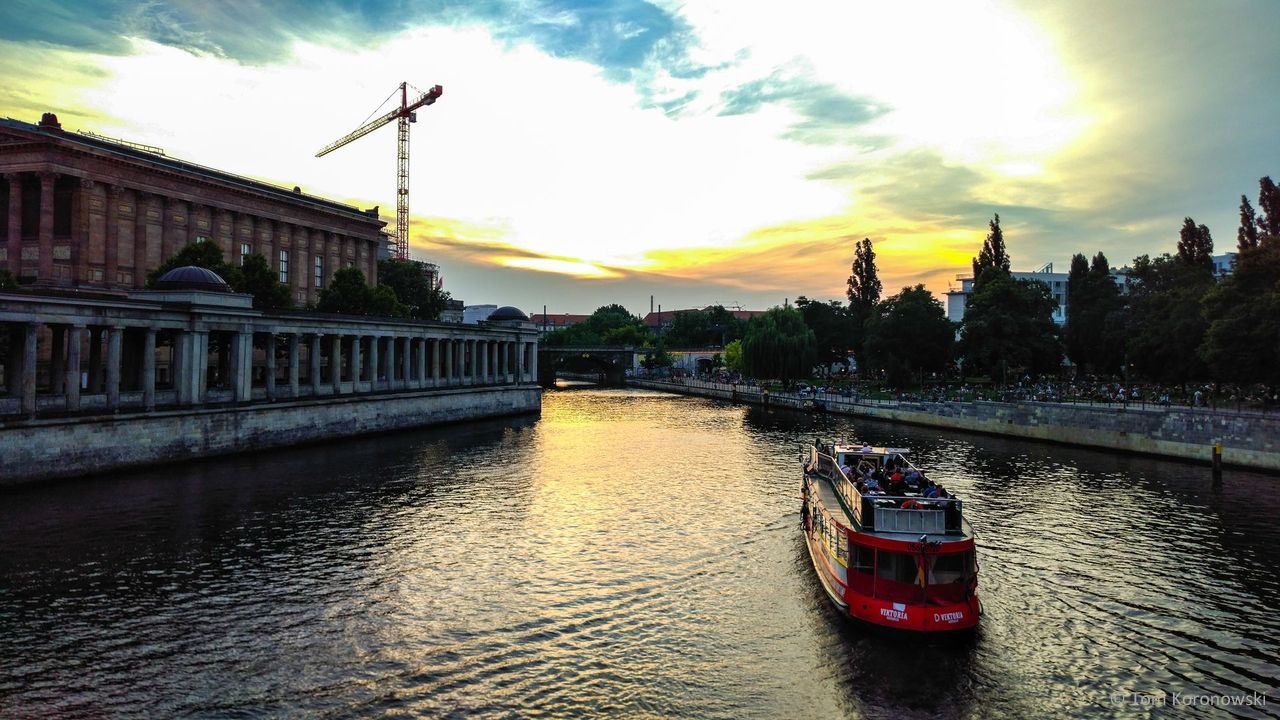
[(844, 468), (913, 478), (872, 485), (930, 490)]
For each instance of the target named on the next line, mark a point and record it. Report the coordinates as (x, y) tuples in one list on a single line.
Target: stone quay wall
[(42, 449), (1250, 440)]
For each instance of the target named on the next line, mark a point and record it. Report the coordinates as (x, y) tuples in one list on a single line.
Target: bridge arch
[(610, 362)]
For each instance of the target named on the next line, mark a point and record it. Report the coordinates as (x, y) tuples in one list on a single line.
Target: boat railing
[(830, 469), (886, 513)]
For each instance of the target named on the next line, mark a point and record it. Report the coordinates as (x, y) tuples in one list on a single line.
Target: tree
[(258, 280), (1195, 246), (992, 255), (200, 254), (733, 355), (1165, 325), (1269, 204), (778, 345), (1242, 313), (832, 326), (414, 287), (909, 334), (608, 325), (7, 281), (1008, 326), (347, 293), (864, 292), (1094, 335), (1247, 235), (1074, 334)]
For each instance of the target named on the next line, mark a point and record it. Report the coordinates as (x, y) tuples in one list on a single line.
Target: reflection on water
[(628, 554)]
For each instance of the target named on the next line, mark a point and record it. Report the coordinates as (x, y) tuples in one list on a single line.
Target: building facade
[(88, 212)]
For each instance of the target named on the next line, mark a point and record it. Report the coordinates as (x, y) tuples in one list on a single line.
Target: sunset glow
[(591, 153)]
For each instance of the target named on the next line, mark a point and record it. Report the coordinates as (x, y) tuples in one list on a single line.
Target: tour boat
[(903, 560)]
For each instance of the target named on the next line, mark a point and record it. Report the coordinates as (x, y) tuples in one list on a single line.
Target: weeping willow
[(778, 345)]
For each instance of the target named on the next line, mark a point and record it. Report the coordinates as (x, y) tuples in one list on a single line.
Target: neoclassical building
[(89, 212)]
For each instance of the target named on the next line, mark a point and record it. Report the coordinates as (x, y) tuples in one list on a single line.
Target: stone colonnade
[(105, 361)]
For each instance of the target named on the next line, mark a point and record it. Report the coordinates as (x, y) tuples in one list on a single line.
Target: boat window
[(864, 559), (898, 567), (949, 568)]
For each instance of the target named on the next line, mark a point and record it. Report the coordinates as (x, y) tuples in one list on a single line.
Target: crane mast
[(403, 115)]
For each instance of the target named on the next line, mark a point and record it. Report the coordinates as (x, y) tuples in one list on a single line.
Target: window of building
[(284, 266), (202, 238), (245, 251), (319, 272)]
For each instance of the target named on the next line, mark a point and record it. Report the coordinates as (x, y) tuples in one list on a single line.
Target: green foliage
[(254, 278), (710, 327), (1242, 340), (414, 288), (832, 325), (1269, 204), (1008, 327), (993, 255), (863, 292), (658, 358), (258, 280), (1165, 322), (8, 281), (1195, 245), (907, 334), (1095, 331), (778, 345), (203, 254), (348, 294), (608, 325), (733, 355), (1247, 235)]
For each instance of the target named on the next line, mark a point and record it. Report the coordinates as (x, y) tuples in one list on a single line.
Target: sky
[(719, 152)]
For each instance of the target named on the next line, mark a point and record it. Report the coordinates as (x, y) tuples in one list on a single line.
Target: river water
[(628, 554)]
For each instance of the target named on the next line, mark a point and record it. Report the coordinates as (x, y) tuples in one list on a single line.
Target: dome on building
[(506, 312), (191, 277)]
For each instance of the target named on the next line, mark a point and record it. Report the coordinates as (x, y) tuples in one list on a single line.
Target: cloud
[(826, 113)]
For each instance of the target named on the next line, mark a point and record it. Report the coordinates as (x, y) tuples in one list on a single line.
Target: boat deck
[(827, 495)]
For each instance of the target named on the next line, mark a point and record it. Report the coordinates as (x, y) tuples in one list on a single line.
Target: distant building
[(962, 288), (453, 311), (473, 314), (1224, 264), (656, 321), (549, 323)]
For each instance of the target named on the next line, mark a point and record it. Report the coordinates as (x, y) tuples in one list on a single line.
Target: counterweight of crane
[(403, 115)]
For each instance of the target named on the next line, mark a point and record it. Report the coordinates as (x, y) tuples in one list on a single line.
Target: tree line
[(404, 290)]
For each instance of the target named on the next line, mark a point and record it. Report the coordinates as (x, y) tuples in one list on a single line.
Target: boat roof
[(869, 450)]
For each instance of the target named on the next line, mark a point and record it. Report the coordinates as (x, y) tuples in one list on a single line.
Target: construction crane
[(403, 115)]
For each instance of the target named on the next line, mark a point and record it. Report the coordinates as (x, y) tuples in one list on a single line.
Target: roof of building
[(506, 312), (668, 316), (558, 319), (192, 277), (54, 132)]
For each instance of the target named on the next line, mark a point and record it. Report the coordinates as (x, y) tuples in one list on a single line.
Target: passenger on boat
[(930, 490), (873, 485), (913, 477), (844, 468)]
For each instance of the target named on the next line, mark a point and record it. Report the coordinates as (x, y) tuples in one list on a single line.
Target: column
[(57, 364), (374, 368), (199, 371), (293, 365), (533, 362), (242, 366), (80, 233), (193, 221), (266, 242), (504, 361), (29, 369), (459, 362), (482, 362), (15, 223), (389, 363), (168, 233), (181, 369), (357, 367), (111, 242), (44, 270), (149, 369), (271, 366), (435, 361), (95, 360), (335, 364), (316, 339), (406, 366), (141, 247), (447, 346), (114, 337), (422, 362), (72, 381)]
